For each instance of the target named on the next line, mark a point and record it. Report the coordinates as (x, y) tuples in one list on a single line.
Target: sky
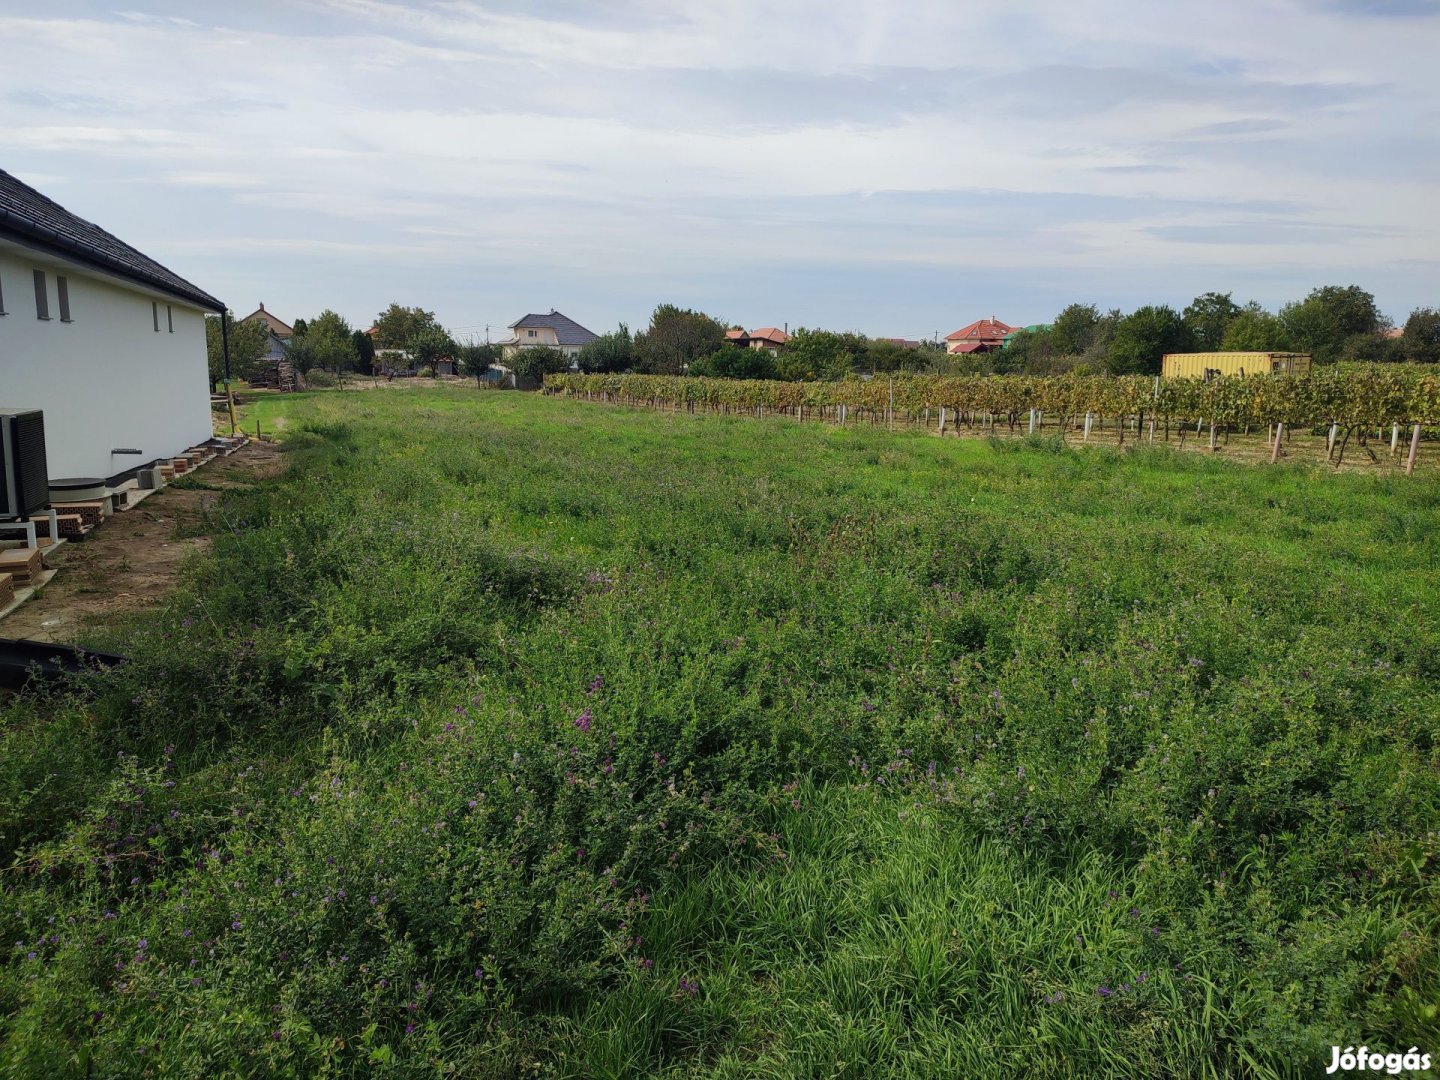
[(900, 168)]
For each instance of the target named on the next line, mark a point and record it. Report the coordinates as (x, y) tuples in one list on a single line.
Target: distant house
[(1033, 328), (904, 343), (737, 336), (282, 330), (983, 335), (768, 338), (108, 343), (554, 331), (274, 348)]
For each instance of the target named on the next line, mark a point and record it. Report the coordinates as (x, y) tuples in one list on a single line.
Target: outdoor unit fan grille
[(30, 472)]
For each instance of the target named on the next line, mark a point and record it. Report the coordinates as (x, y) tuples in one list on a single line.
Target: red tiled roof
[(736, 335), (991, 329), (968, 347), (771, 334)]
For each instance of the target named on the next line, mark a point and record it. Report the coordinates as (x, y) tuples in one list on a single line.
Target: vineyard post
[(890, 420), (1088, 421), (1212, 435), (942, 419), (1275, 453), (1414, 449), (1032, 423), (1394, 439)]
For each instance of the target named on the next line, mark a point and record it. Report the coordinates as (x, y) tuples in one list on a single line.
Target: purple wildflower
[(583, 720)]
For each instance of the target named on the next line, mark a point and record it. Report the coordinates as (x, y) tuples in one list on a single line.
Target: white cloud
[(611, 142)]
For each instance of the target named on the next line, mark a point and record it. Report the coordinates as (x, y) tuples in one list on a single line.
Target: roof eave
[(45, 237)]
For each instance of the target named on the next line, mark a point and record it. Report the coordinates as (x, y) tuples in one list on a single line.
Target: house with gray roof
[(555, 331), (102, 338)]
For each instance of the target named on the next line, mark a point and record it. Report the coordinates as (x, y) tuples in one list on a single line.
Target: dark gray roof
[(28, 216), (567, 330)]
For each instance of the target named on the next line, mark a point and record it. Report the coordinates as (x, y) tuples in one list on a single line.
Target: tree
[(1255, 330), (728, 362), (397, 325), (537, 362), (1324, 321), (1208, 316), (327, 344), (675, 339), (364, 352), (885, 356), (475, 359), (1144, 336), (249, 341), (818, 354), (299, 329), (428, 344), (1029, 351), (1074, 329), (608, 352), (1421, 339)]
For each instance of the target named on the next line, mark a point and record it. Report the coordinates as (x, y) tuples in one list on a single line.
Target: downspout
[(225, 348)]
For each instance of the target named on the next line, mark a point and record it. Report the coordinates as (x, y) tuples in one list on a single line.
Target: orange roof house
[(983, 335), (768, 337)]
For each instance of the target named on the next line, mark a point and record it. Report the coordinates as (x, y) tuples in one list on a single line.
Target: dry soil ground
[(131, 561)]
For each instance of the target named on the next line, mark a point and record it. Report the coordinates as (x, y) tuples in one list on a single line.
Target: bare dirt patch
[(130, 562)]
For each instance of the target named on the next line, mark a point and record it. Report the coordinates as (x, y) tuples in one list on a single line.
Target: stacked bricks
[(7, 591), (70, 525), (91, 513), (24, 563)]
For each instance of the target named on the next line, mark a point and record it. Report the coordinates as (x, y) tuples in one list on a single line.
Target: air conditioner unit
[(24, 476)]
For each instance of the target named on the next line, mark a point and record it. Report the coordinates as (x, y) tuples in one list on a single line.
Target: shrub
[(319, 377)]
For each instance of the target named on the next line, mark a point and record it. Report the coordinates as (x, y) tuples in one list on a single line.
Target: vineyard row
[(1342, 399)]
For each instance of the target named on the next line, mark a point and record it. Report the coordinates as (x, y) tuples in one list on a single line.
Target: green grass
[(507, 735)]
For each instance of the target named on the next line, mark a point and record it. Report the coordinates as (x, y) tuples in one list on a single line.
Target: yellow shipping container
[(1202, 365)]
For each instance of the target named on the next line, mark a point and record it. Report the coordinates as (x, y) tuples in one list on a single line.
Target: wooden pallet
[(24, 564)]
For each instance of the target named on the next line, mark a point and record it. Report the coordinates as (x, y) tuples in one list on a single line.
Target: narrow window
[(62, 290), (155, 314), (529, 333), (42, 301), (170, 317)]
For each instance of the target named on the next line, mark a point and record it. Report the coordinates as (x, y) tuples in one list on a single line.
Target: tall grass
[(506, 735)]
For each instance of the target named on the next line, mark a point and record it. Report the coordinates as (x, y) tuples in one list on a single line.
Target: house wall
[(107, 380), (544, 335)]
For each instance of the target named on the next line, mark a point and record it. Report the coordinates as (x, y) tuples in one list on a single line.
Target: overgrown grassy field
[(507, 736)]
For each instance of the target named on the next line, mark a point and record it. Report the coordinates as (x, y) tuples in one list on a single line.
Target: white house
[(553, 331), (109, 343)]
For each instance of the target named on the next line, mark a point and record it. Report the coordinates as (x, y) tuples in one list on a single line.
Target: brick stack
[(7, 591), (91, 513), (71, 525), (23, 563)]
